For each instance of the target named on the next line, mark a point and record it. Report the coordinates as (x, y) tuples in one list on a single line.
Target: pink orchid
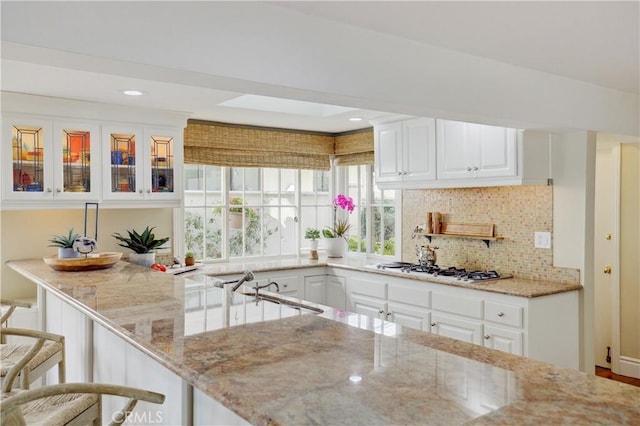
[(345, 203)]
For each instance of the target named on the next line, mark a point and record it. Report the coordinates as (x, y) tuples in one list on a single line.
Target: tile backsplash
[(517, 212)]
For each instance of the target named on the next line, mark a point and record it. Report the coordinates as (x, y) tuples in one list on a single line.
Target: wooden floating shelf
[(486, 240)]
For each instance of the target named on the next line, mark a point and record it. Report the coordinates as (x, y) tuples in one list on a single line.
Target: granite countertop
[(520, 287), (337, 367)]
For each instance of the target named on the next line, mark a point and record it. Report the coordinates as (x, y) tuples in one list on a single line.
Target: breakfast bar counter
[(331, 368)]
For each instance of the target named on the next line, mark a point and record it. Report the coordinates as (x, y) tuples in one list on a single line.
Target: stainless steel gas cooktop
[(450, 273)]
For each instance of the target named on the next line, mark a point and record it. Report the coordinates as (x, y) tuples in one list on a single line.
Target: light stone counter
[(512, 286), (338, 367)]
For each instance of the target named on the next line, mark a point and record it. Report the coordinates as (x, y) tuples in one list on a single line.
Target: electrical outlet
[(543, 240)]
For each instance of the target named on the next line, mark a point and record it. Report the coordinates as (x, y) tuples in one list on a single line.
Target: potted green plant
[(312, 234), (189, 259), (235, 213), (64, 243), (142, 245)]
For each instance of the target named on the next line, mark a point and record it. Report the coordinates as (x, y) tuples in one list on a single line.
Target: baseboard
[(629, 367)]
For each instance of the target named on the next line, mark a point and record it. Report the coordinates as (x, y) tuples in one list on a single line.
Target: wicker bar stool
[(51, 350), (47, 352), (63, 404)]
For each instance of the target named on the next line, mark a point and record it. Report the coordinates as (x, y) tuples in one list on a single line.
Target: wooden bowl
[(101, 261)]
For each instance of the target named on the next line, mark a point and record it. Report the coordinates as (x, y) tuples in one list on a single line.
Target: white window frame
[(337, 185)]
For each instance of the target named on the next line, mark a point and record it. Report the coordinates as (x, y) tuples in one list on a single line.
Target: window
[(378, 235), (234, 212)]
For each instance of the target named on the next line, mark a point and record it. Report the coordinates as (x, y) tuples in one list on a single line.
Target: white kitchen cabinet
[(369, 306), (391, 300), (543, 328), (327, 290), (314, 288), (457, 328), (503, 339), (470, 155), (335, 294), (405, 153), (475, 151), (49, 160), (142, 163), (408, 316), (288, 283)]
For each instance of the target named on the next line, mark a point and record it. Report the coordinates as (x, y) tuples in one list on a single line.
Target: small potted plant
[(64, 243), (235, 213), (337, 235), (142, 245), (312, 234), (189, 259)]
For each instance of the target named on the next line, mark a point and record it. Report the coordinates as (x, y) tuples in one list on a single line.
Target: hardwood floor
[(606, 373)]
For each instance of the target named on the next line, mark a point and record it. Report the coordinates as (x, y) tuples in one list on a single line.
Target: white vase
[(67, 253), (336, 247), (143, 259)]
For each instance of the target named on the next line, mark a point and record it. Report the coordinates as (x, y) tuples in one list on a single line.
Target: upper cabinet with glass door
[(145, 164), (50, 160)]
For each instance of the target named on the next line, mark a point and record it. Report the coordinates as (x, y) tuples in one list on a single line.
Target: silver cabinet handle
[(399, 173), (148, 191), (48, 189), (389, 314), (285, 285), (140, 191), (476, 168), (500, 314), (433, 324), (468, 169), (58, 190), (487, 337), (381, 311)]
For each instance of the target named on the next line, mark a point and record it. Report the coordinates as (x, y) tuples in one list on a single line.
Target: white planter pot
[(67, 253), (336, 247), (143, 259), (313, 252)]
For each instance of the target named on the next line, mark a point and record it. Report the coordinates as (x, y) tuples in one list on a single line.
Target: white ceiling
[(593, 42)]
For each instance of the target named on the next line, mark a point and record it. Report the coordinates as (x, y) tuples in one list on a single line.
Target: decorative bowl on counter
[(91, 262)]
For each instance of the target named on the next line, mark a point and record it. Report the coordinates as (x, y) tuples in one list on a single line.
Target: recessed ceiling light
[(132, 92), (356, 119)]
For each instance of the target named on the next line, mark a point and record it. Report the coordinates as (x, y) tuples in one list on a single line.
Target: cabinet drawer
[(416, 295), (457, 305), (368, 287), (501, 313)]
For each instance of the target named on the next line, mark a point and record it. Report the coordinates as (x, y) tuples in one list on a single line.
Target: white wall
[(573, 173)]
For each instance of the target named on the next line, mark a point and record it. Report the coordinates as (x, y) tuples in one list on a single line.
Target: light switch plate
[(543, 240)]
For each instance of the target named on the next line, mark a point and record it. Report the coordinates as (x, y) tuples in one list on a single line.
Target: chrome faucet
[(246, 277), (258, 287)]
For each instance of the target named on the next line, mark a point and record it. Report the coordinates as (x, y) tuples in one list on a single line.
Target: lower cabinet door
[(408, 316), (503, 340), (457, 328), (335, 294), (369, 306), (314, 288)]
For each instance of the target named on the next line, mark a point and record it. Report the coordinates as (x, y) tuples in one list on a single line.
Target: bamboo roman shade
[(222, 144), (354, 148)]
